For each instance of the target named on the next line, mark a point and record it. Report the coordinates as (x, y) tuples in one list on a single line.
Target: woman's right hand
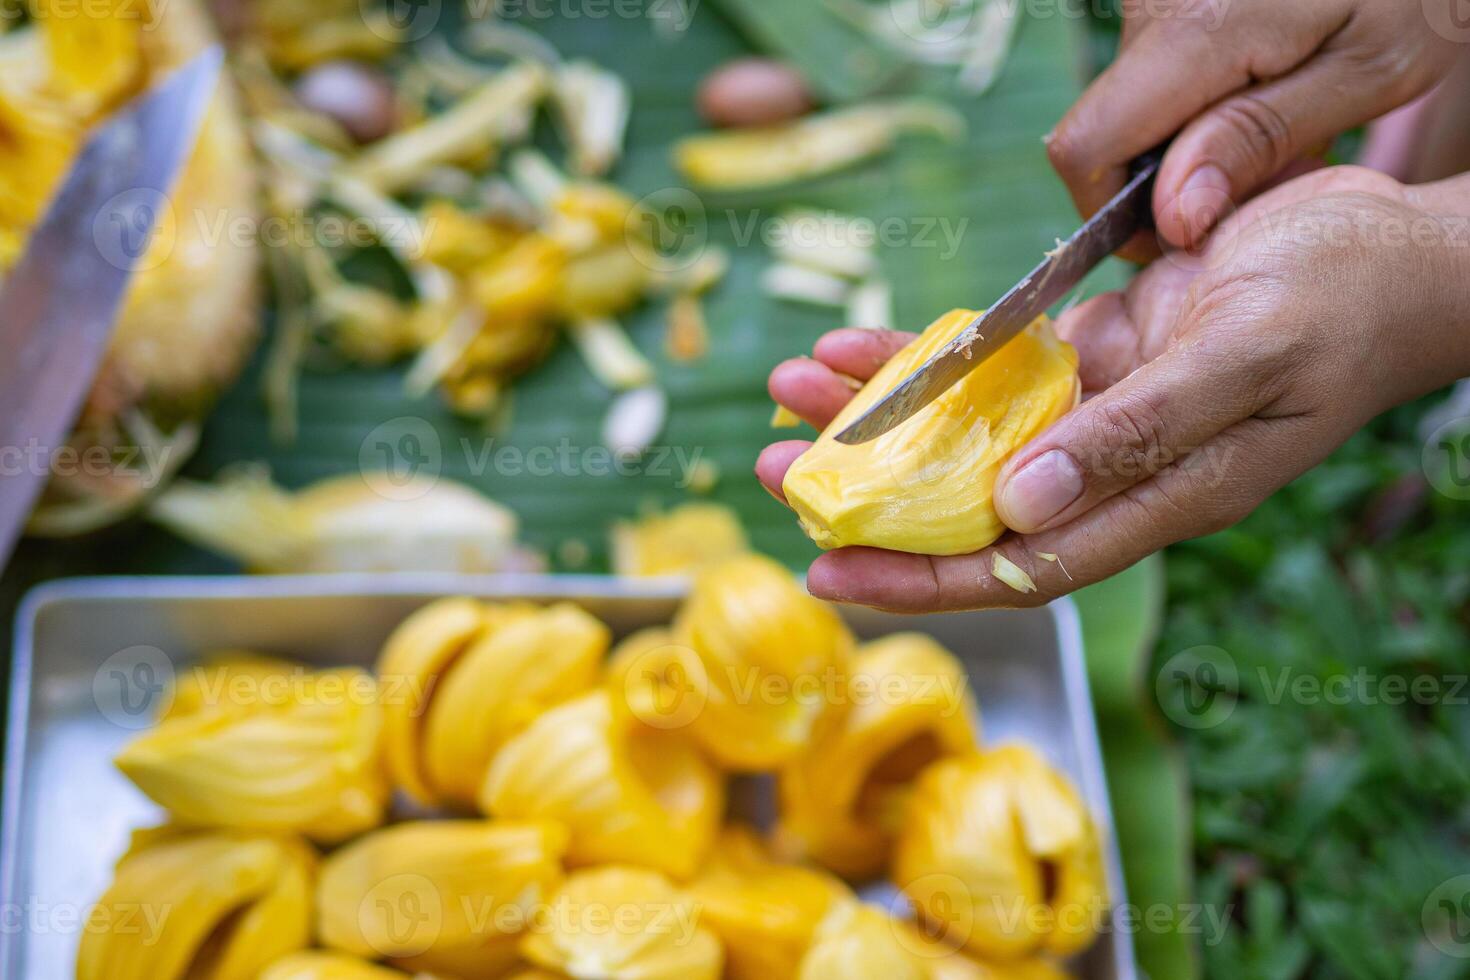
[(1249, 86)]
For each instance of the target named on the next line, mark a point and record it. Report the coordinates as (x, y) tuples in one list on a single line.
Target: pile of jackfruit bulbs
[(561, 808)]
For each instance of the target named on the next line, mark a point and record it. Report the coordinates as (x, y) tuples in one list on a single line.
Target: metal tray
[(88, 651)]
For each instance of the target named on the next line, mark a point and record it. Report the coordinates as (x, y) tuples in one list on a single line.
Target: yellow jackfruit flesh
[(623, 923), (629, 793), (318, 965), (999, 854), (927, 486), (765, 912), (859, 942), (438, 887), (223, 906), (765, 657), (461, 677), (945, 962), (236, 681), (842, 799), (500, 684), (309, 766), (681, 542)]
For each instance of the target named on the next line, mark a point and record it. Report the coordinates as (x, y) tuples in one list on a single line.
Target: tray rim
[(1063, 613)]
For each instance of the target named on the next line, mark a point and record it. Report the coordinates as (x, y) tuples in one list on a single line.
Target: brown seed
[(753, 92), (357, 96)]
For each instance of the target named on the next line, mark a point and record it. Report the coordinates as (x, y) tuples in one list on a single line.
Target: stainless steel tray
[(88, 651)]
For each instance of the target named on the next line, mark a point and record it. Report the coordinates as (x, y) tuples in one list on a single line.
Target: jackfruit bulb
[(766, 657), (843, 798), (927, 485), (999, 854), (439, 887), (227, 905)]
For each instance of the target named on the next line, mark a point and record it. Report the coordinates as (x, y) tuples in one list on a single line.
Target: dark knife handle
[(1148, 166)]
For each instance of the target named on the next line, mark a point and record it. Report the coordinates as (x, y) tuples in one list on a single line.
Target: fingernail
[(1203, 200), (1040, 490)]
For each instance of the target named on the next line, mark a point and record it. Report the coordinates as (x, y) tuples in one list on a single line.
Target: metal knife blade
[(60, 300), (1102, 235)]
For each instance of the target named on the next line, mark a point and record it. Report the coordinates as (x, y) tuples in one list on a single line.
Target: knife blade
[(1063, 269), (60, 300)]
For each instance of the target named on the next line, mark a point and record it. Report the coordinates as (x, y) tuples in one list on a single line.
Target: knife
[(1130, 211), (60, 300)]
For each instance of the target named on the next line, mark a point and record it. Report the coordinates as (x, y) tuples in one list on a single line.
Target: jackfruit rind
[(927, 486), (842, 799)]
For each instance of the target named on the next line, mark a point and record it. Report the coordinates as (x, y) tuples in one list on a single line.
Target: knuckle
[(1066, 150), (1130, 433), (1263, 135)]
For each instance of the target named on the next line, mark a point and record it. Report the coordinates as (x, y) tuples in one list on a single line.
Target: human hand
[(1249, 86), (1216, 379)]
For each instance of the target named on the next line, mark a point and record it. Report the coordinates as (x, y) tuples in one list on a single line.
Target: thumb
[(1142, 425)]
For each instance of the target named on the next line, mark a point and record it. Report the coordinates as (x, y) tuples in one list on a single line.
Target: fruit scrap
[(809, 147), (927, 486), (682, 541), (358, 522), (1011, 574)]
